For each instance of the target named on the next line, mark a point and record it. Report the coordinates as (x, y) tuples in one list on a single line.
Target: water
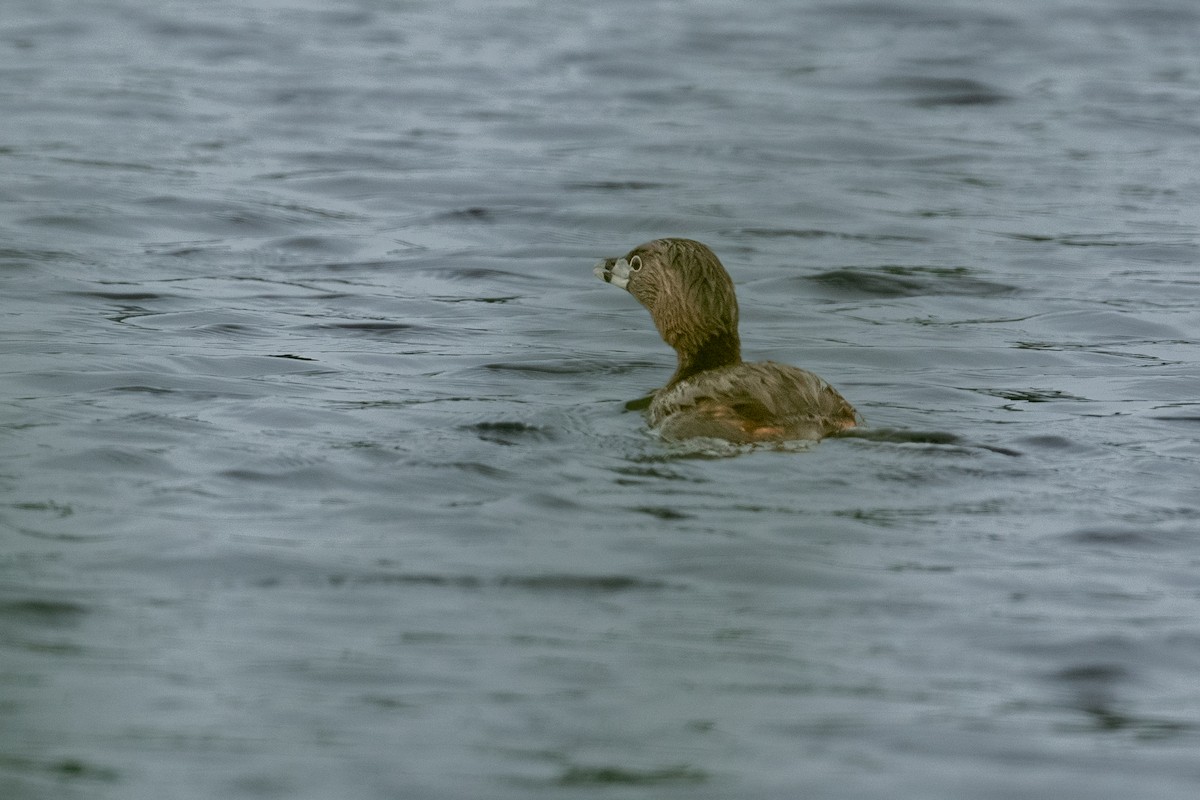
[(317, 478)]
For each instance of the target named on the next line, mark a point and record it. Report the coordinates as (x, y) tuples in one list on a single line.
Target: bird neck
[(719, 350)]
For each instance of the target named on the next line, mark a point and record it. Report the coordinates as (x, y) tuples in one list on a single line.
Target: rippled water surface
[(317, 477)]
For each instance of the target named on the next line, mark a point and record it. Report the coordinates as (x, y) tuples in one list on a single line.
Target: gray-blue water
[(316, 476)]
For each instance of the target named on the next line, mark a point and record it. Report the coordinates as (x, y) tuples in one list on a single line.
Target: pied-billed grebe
[(713, 392)]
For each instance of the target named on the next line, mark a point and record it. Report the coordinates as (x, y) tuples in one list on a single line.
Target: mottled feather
[(750, 402)]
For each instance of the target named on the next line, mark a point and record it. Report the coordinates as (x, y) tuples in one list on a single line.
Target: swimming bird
[(713, 393)]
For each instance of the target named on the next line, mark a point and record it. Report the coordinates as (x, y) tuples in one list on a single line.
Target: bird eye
[(635, 263)]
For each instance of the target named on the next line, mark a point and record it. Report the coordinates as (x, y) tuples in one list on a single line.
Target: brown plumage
[(713, 392)]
